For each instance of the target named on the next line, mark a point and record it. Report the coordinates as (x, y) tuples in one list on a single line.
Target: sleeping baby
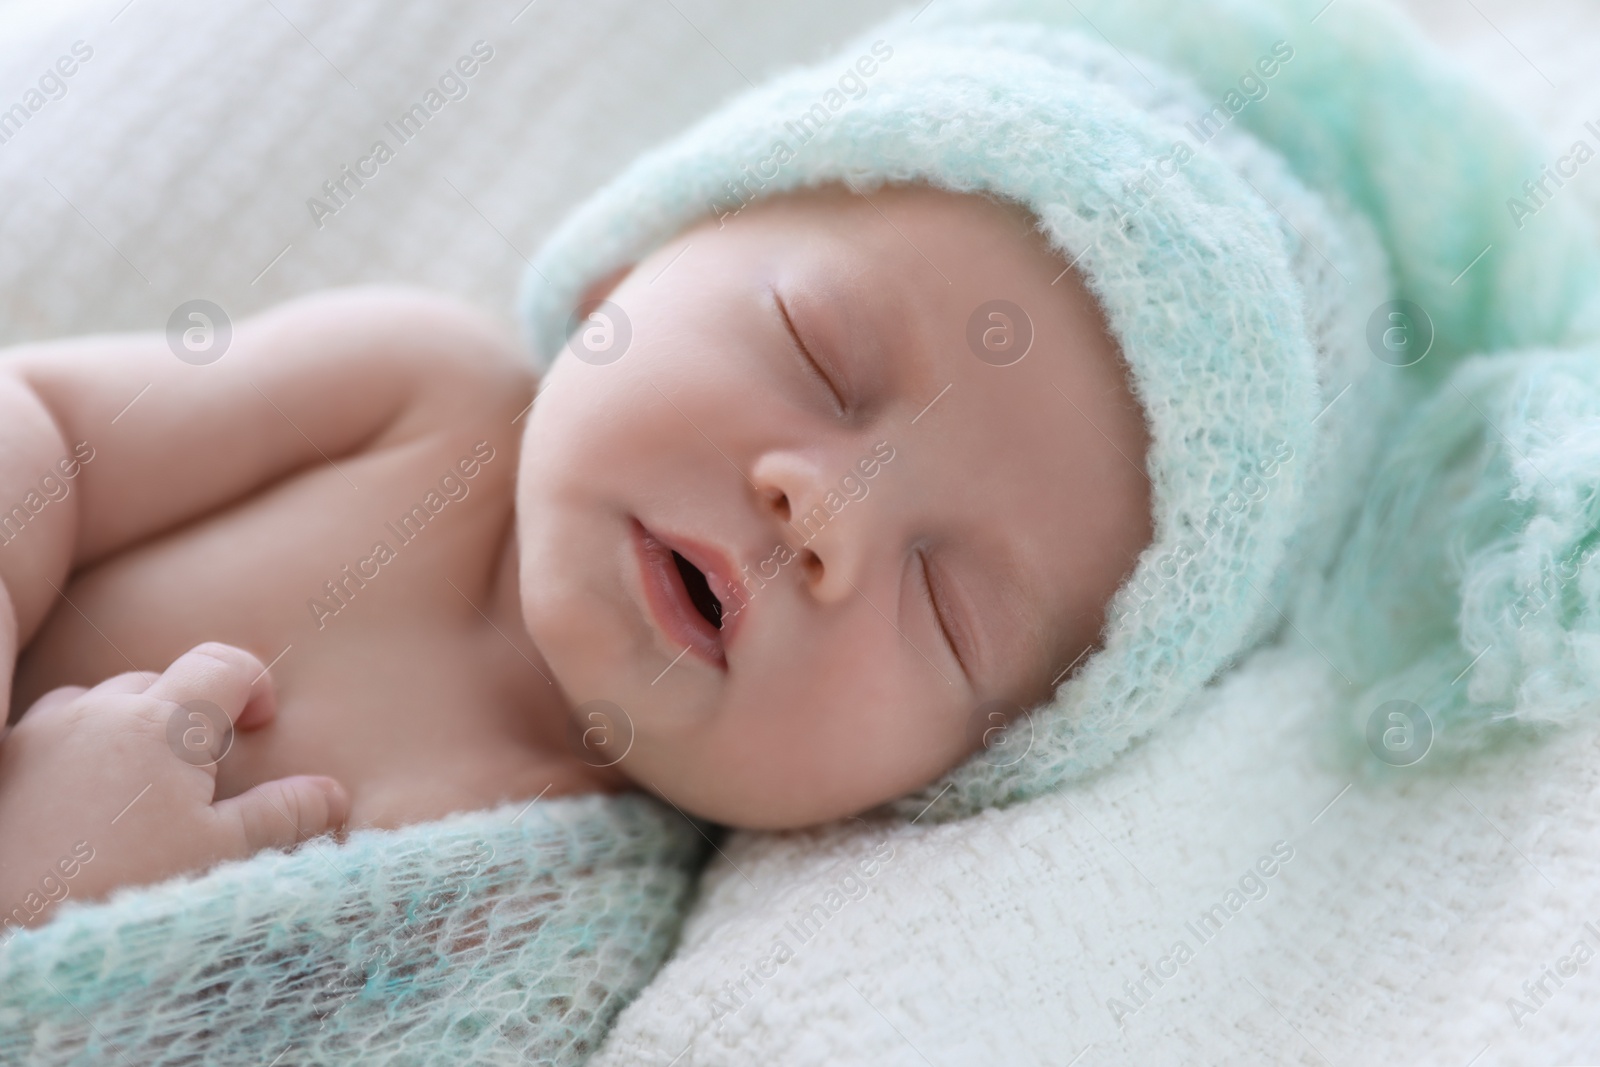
[(408, 573), (910, 436)]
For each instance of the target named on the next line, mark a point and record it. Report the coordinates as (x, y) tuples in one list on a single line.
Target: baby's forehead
[(898, 258)]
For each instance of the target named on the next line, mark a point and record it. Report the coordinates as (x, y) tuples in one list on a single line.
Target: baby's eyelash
[(938, 612), (811, 361)]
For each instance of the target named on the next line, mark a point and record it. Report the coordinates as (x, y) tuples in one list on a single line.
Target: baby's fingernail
[(338, 802)]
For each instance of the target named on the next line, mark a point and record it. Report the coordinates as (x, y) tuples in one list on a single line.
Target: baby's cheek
[(885, 725)]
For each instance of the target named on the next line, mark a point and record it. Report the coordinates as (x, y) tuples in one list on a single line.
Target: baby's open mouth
[(678, 595), (700, 594)]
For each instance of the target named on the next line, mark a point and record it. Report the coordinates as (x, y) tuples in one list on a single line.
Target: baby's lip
[(668, 598), (720, 572)]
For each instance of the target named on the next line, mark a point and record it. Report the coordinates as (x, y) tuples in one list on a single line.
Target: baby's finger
[(227, 676), (283, 812), (56, 698), (126, 682)]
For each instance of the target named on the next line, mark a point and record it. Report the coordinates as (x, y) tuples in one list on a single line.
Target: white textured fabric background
[(177, 165), (179, 162)]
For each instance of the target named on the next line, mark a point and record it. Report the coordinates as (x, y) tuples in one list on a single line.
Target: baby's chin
[(759, 810), (753, 785)]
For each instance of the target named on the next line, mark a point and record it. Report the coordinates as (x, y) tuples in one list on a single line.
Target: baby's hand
[(125, 773)]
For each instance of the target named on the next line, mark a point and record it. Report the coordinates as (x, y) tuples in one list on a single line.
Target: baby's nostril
[(812, 564), (780, 504)]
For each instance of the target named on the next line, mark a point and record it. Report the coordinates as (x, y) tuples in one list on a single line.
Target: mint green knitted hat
[(1220, 275)]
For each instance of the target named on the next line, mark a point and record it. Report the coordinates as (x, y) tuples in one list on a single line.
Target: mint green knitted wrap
[(1242, 283), (508, 936)]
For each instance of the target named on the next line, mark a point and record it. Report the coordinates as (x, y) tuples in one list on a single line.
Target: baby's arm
[(304, 384), (309, 382)]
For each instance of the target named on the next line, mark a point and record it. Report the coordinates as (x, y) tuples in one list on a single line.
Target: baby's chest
[(321, 556), (350, 581)]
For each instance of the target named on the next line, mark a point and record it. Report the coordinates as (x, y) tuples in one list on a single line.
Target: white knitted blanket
[(1432, 920)]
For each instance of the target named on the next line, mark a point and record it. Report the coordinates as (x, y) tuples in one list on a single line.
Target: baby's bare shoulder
[(440, 341), (330, 375)]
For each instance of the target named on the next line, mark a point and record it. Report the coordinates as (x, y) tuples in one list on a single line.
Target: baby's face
[(897, 532)]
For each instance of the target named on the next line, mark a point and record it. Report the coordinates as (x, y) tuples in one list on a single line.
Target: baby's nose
[(826, 529), (832, 558)]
